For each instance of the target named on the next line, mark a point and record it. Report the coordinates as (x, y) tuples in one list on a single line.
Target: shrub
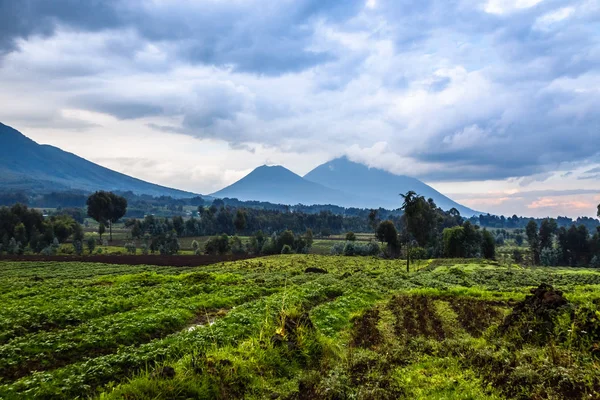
[(13, 247), (337, 249), (286, 249), (517, 256), (217, 245), (130, 247), (236, 245), (595, 263), (418, 253), (78, 247), (91, 244), (349, 249), (549, 257), (350, 236)]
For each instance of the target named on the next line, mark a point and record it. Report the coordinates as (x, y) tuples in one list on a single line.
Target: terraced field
[(299, 327)]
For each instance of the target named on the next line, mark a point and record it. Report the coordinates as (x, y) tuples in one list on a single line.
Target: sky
[(492, 102)]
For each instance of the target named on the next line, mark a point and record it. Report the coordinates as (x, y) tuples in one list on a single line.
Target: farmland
[(299, 327)]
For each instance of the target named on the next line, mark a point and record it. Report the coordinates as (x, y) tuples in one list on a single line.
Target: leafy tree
[(350, 236), (168, 244), (236, 245), (308, 237), (285, 238), (454, 239), (130, 247), (20, 233), (519, 239), (286, 249), (488, 245), (373, 219), (91, 244), (13, 247), (534, 241), (106, 208), (548, 228), (386, 232), (64, 226), (517, 256), (240, 220), (217, 245), (78, 247), (549, 257)]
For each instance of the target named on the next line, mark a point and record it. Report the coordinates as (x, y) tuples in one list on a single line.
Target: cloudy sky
[(493, 102)]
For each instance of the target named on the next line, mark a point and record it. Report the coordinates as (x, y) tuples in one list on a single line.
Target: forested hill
[(28, 166)]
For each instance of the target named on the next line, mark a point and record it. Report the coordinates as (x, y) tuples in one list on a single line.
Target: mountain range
[(339, 182), (30, 167)]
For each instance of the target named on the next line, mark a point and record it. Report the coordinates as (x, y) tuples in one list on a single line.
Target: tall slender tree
[(408, 206)]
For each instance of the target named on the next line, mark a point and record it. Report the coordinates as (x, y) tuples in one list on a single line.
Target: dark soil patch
[(476, 316), (533, 319), (415, 315), (315, 270), (364, 332)]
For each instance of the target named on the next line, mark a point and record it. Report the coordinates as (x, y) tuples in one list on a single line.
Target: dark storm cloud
[(253, 36), (121, 109), (23, 18)]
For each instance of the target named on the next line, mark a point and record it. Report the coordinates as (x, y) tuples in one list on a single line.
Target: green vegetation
[(299, 326)]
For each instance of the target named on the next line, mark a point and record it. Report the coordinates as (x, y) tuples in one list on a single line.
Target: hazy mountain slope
[(383, 187), (277, 184), (27, 165)]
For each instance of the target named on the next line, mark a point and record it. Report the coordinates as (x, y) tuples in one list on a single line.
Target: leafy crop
[(270, 328)]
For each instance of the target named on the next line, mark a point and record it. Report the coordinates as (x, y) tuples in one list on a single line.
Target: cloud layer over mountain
[(463, 90)]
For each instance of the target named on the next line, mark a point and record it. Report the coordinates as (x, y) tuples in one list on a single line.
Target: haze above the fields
[(493, 102)]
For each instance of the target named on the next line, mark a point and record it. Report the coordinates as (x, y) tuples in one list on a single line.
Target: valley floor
[(299, 327)]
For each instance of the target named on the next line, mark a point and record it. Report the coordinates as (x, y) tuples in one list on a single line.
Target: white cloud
[(448, 91), (507, 6), (546, 21)]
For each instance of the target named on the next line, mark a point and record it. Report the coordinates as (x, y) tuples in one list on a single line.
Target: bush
[(14, 247), (337, 249), (217, 245), (595, 263), (549, 257), (236, 245), (517, 256), (418, 253), (144, 248), (78, 247), (169, 245), (350, 236), (130, 247), (349, 248), (91, 244), (355, 249), (286, 249)]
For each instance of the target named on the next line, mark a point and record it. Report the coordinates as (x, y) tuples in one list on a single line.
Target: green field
[(265, 328)]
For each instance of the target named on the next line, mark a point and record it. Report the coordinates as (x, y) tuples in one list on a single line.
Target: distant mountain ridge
[(277, 184), (339, 182), (357, 179), (28, 166)]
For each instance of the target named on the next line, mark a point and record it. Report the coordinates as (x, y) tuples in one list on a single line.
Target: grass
[(263, 328)]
